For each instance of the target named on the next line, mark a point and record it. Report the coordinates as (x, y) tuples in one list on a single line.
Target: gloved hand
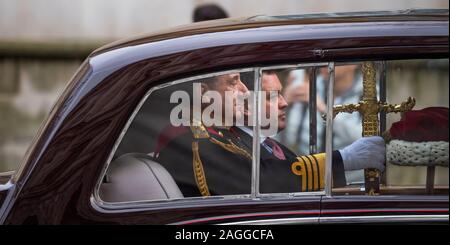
[(367, 152)]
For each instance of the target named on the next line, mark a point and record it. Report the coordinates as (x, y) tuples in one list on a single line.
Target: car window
[(301, 133), (195, 138), (414, 130), (185, 141), (293, 156)]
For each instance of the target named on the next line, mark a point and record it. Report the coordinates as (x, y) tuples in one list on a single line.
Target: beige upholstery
[(135, 177)]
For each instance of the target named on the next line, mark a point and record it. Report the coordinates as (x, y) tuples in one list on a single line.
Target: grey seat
[(136, 177)]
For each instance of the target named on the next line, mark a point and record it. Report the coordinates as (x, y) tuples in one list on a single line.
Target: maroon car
[(96, 158)]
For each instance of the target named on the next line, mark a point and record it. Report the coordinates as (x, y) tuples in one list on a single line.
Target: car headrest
[(136, 177)]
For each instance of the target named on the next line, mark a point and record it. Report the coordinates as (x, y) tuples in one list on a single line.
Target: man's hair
[(269, 72), (208, 12), (210, 81)]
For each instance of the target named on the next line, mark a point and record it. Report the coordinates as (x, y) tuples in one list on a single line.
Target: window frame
[(255, 194), (103, 206)]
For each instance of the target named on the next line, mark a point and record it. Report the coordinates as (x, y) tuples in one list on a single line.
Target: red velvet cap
[(428, 124)]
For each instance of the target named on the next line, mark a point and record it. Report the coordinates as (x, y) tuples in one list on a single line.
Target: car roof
[(231, 24)]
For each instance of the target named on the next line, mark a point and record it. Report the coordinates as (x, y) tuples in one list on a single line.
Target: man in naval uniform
[(216, 160), (203, 160)]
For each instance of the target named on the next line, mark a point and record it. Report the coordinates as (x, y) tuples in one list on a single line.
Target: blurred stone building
[(42, 43)]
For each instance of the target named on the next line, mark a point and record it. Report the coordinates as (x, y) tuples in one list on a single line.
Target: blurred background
[(42, 43)]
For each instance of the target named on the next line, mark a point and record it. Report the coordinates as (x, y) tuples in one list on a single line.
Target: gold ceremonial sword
[(369, 108)]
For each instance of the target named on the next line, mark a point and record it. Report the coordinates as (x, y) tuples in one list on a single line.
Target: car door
[(173, 172)]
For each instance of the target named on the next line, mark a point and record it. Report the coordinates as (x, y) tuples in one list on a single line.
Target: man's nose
[(282, 104), (242, 88)]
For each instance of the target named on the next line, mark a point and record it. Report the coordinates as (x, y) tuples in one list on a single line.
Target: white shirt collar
[(249, 131)]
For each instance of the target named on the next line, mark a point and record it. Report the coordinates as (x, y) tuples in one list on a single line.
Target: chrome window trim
[(256, 135), (149, 205), (221, 219), (286, 221), (383, 219), (106, 207), (197, 202), (295, 66), (291, 194), (329, 132)]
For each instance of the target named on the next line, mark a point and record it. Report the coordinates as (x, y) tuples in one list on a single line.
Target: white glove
[(367, 152)]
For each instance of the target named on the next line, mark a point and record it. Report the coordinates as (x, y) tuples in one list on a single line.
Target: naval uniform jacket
[(215, 161)]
